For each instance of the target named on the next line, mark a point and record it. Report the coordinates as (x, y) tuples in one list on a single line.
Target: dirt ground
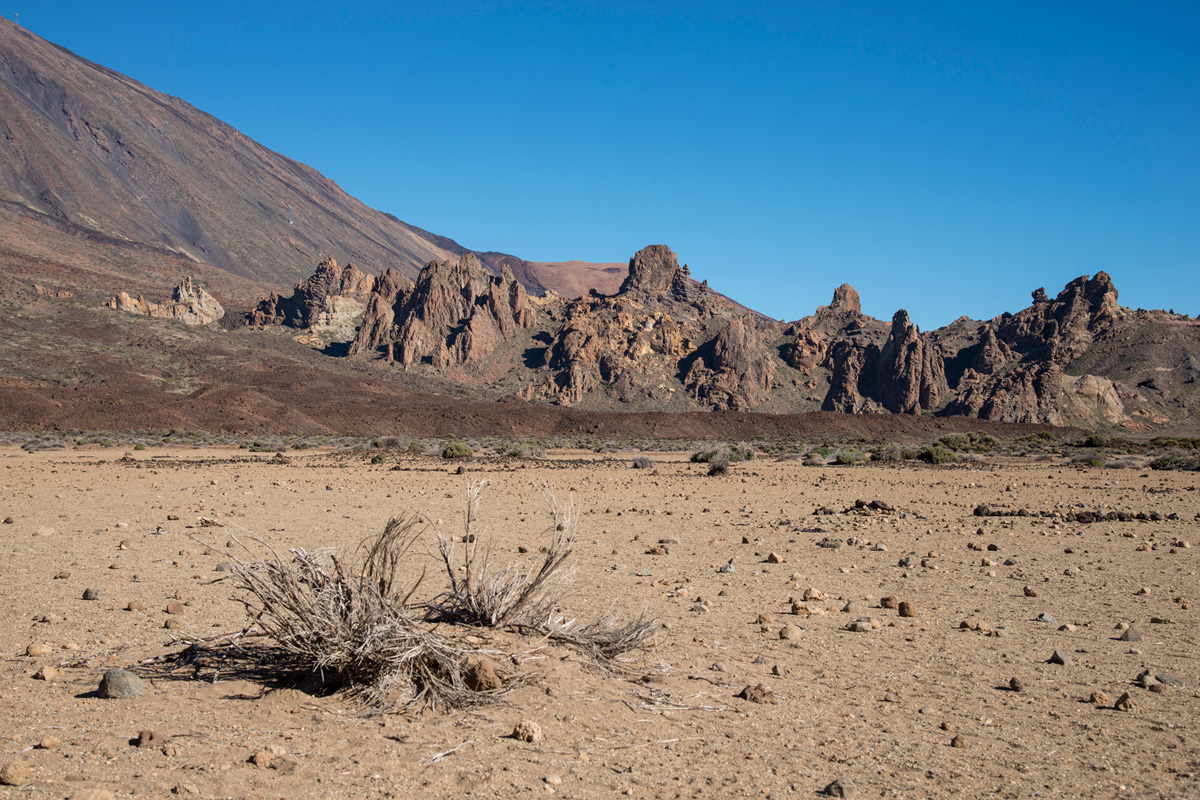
[(908, 707)]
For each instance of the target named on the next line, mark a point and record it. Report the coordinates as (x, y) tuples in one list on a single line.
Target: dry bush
[(362, 620)]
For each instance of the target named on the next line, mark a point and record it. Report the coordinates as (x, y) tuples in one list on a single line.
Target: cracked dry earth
[(898, 706)]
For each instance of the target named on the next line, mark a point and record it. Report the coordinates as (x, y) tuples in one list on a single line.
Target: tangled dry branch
[(360, 619)]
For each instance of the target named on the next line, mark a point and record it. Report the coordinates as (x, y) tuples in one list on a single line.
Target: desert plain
[(960, 698)]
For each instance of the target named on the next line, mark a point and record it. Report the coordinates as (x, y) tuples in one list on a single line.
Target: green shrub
[(936, 454), (458, 450), (849, 457), (139, 446), (378, 458), (824, 451)]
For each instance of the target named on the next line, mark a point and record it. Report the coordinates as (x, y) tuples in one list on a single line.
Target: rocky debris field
[(857, 631)]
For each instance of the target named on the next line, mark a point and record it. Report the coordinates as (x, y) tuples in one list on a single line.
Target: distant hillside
[(102, 157)]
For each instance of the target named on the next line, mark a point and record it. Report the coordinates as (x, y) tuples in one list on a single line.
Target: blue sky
[(947, 158)]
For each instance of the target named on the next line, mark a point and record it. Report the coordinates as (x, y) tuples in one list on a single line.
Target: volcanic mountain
[(102, 157)]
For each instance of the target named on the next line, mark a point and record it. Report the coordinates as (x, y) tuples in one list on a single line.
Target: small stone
[(262, 759), (1045, 618), (852, 607), (135, 605), (958, 741), (120, 684), (1060, 658), (1066, 628), (552, 780), (926, 710), (1031, 592), (150, 738), (49, 743), (174, 607), (859, 626), (480, 675), (907, 562), (1124, 702), (91, 594), (790, 633), (16, 773), (222, 566), (842, 787), (758, 694), (889, 602), (1016, 684), (528, 731), (9, 520), (773, 558), (811, 594), (700, 608), (38, 649), (1168, 679), (172, 517), (891, 697), (765, 618), (1099, 698), (173, 623), (719, 667), (48, 674), (907, 609), (62, 574), (1131, 634)]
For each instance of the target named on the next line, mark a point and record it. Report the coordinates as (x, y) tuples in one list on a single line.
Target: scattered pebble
[(38, 649), (120, 684), (1131, 634), (1060, 658), (907, 609), (842, 787), (1124, 702), (528, 731), (91, 594), (150, 738), (16, 773), (758, 694), (1016, 684), (48, 674), (135, 605), (889, 602), (1099, 698), (49, 743), (958, 741), (790, 633)]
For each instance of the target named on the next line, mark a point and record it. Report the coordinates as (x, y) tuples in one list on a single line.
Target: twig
[(433, 759)]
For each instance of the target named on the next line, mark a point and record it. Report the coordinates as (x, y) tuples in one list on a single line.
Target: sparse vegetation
[(362, 618), (641, 462), (457, 450), (936, 454)]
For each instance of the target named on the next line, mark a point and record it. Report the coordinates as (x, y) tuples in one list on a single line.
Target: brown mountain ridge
[(664, 341)]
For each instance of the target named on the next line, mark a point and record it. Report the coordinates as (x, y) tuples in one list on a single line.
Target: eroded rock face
[(189, 304), (454, 314), (1061, 329), (906, 375), (845, 298), (737, 372), (332, 297), (910, 374), (1031, 393)]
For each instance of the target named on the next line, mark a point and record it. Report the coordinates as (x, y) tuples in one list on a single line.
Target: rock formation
[(454, 314), (331, 297), (189, 304), (737, 372), (905, 376), (664, 341)]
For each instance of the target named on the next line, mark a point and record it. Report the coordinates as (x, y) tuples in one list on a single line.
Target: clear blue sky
[(947, 158)]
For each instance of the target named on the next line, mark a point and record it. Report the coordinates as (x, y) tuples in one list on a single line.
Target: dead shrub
[(363, 619)]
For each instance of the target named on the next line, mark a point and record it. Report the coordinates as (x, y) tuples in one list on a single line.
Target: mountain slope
[(103, 157)]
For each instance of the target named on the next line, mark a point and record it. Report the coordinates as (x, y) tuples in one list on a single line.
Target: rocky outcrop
[(332, 297), (807, 347), (736, 371), (907, 375), (845, 299), (388, 294), (910, 374), (455, 314), (189, 304), (1061, 329), (1031, 393)]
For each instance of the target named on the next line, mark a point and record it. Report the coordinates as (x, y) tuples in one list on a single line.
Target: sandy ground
[(881, 707)]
